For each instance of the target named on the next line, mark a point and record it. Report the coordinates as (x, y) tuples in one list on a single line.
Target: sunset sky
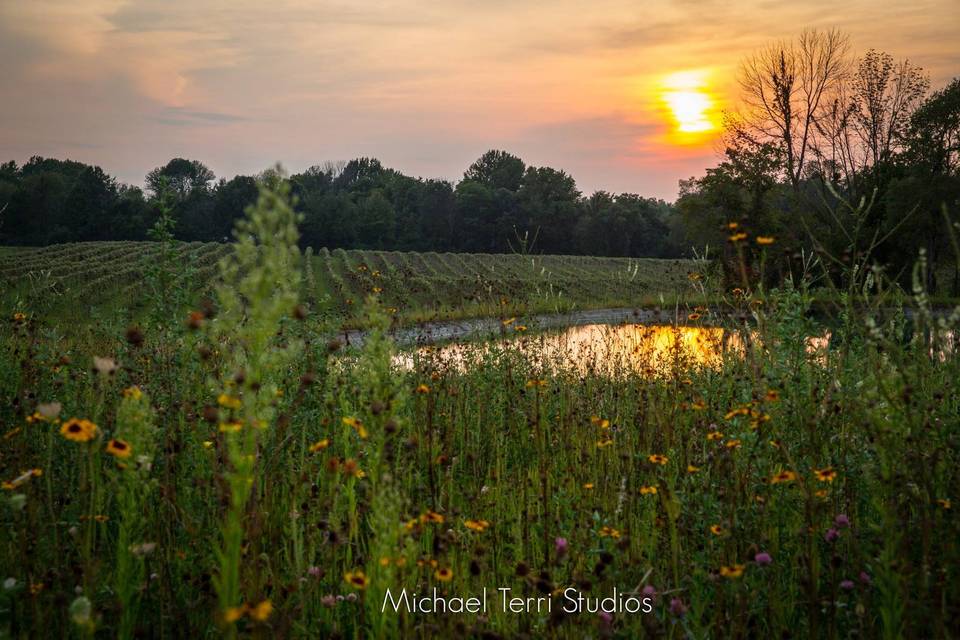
[(624, 96)]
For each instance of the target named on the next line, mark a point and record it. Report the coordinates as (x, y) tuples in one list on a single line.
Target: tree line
[(848, 159), (500, 205)]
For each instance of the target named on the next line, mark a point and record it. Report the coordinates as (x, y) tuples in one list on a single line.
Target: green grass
[(94, 279), (277, 487)]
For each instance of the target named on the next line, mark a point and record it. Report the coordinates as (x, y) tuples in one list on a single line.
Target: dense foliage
[(500, 206)]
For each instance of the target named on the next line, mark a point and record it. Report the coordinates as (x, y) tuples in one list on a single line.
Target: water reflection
[(651, 350), (599, 348)]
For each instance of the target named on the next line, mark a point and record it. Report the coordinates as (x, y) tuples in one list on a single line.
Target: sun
[(690, 105)]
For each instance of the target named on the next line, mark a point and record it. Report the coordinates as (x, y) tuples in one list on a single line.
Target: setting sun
[(690, 105)]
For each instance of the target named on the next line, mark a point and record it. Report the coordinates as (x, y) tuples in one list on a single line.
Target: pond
[(650, 350)]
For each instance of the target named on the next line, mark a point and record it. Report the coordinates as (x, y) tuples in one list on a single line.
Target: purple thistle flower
[(677, 607), (763, 558), (650, 591), (865, 577), (847, 585), (841, 521), (560, 545), (831, 535)]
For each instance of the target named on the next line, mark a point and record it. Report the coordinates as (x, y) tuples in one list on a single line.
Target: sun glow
[(691, 107)]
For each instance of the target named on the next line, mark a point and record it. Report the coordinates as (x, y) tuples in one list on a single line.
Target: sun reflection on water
[(651, 350)]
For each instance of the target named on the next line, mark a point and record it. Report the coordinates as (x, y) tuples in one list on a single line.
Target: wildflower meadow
[(228, 466)]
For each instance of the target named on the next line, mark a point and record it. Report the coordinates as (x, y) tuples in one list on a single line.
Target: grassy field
[(106, 279), (239, 475)]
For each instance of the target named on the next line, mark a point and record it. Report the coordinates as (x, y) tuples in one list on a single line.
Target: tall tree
[(181, 176), (784, 88), (497, 170)]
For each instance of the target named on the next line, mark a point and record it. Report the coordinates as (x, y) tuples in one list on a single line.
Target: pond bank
[(434, 332), (473, 328)]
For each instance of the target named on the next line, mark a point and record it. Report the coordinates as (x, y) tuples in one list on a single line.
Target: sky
[(625, 96)]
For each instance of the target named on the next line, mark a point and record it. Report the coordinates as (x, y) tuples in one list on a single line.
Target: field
[(75, 281), (234, 472)]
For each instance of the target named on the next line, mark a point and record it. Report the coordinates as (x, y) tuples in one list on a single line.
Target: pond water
[(608, 349)]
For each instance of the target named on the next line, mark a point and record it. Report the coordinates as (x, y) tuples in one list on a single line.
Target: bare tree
[(867, 119), (785, 88), (884, 96)]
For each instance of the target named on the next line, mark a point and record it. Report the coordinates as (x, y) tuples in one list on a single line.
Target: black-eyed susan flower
[(827, 474), (432, 517), (444, 574), (783, 477), (648, 490), (693, 316), (520, 327), (944, 503), (476, 525), (262, 611), (19, 317), (716, 529), (232, 614), (132, 392), (357, 426), (228, 401), (508, 321), (356, 579), (351, 468), (656, 458), (588, 486), (698, 405), (739, 411), (772, 395), (118, 448), (78, 430), (692, 468), (231, 427), (536, 383), (737, 237), (765, 240), (608, 532), (422, 389), (320, 445), (715, 435), (733, 444), (732, 571), (604, 443), (603, 423)]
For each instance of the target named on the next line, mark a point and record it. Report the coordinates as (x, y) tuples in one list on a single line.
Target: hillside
[(83, 279)]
